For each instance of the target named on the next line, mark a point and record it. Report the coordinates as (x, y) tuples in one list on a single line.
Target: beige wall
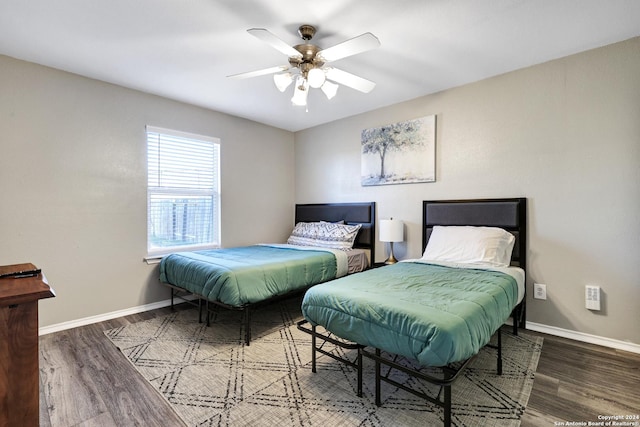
[(564, 134), (73, 184)]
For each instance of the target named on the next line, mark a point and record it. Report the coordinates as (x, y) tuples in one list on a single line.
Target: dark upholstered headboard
[(510, 214), (350, 213)]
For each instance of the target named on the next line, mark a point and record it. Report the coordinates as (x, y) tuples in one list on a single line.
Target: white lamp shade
[(301, 92), (283, 81), (329, 89), (315, 77), (391, 230)]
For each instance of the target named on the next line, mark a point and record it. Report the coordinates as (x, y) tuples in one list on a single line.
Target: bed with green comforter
[(241, 276), (430, 313)]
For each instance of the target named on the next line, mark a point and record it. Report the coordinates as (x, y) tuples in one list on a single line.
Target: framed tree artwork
[(400, 153)]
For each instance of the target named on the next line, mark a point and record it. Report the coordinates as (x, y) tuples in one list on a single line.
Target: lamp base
[(392, 259)]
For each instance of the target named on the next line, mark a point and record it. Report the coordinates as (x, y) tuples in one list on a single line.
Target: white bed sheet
[(358, 260)]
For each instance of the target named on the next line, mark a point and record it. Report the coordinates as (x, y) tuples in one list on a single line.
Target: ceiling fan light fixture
[(300, 93), (329, 89), (307, 60), (283, 81), (316, 77)]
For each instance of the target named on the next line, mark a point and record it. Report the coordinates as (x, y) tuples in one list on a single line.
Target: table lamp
[(391, 230)]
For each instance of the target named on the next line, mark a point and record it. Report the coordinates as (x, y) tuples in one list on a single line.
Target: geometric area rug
[(211, 378)]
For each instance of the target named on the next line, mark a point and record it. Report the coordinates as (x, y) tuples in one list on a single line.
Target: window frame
[(156, 251)]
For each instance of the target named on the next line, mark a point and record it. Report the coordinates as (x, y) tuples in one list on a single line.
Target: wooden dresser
[(19, 372)]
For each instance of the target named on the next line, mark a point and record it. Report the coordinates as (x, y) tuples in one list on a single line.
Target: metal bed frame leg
[(377, 363), (519, 317), (444, 397), (313, 349), (247, 325), (208, 314), (499, 352), (447, 404), (359, 394)]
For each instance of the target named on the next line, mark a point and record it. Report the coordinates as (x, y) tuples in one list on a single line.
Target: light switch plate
[(592, 297)]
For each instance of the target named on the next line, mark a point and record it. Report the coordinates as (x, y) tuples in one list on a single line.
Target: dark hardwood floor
[(577, 382), (85, 381)]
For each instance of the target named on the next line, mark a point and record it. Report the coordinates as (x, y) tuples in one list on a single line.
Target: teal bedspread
[(245, 275), (433, 314)]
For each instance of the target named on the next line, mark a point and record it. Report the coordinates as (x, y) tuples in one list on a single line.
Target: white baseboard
[(107, 316), (581, 336), (538, 327)]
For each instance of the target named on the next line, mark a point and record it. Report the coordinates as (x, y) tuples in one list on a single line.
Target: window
[(183, 191)]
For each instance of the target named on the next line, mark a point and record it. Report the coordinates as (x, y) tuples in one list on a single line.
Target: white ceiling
[(184, 50)]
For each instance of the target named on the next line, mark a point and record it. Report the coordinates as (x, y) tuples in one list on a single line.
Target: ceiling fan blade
[(351, 80), (269, 38), (359, 44), (257, 73)]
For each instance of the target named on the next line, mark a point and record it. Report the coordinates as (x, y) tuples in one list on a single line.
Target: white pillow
[(490, 246)]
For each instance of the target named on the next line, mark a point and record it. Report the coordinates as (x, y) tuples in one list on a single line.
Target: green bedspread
[(433, 314), (245, 275)]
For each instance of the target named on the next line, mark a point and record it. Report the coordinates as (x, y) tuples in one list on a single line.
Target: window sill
[(153, 259)]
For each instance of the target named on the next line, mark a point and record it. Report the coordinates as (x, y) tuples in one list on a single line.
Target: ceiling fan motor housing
[(309, 59), (308, 51)]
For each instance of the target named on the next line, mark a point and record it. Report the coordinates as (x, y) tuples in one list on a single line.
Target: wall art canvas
[(400, 153)]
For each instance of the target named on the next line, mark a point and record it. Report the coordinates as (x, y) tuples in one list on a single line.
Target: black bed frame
[(510, 214), (363, 213)]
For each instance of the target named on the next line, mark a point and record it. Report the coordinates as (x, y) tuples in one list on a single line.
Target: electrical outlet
[(592, 297), (539, 291)]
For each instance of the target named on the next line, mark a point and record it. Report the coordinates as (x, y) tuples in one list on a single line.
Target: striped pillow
[(324, 234)]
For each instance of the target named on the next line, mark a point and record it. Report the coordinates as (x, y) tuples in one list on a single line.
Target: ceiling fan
[(307, 64)]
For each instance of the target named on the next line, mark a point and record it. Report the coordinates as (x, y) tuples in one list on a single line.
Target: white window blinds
[(183, 191)]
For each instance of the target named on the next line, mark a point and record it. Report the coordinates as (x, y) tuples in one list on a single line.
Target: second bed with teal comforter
[(430, 313), (241, 276)]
